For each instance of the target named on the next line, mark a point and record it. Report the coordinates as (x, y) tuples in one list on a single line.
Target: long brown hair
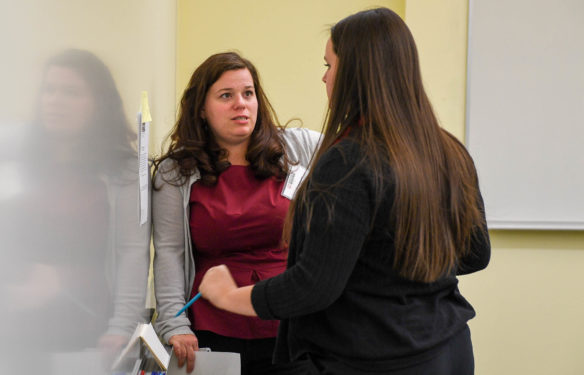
[(192, 144), (107, 142), (378, 85)]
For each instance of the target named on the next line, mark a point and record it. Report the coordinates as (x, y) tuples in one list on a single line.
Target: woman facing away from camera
[(221, 194), (388, 216)]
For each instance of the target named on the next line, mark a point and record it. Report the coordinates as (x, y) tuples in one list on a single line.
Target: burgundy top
[(238, 222)]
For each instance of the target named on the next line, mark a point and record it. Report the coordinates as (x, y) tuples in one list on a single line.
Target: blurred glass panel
[(74, 257)]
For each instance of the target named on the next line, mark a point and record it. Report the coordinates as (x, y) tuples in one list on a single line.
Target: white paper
[(131, 346), (209, 363), (143, 170), (151, 340), (145, 333)]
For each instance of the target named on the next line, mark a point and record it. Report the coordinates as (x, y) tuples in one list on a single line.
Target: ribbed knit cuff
[(259, 300)]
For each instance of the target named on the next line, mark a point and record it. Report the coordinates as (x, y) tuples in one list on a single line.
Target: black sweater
[(340, 296)]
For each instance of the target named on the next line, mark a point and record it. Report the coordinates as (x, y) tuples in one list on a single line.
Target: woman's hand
[(216, 286), (184, 347), (111, 346), (220, 289)]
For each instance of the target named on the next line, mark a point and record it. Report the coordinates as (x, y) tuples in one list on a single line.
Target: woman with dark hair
[(83, 254), (80, 116), (221, 194), (388, 216)]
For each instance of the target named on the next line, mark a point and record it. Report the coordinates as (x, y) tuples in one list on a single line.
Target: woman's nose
[(239, 101)]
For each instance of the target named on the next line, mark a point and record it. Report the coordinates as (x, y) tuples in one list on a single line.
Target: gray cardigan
[(174, 265)]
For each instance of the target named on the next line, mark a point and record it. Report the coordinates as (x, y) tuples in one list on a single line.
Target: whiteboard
[(525, 111)]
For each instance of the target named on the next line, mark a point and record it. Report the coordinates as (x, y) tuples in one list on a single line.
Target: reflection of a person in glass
[(84, 254)]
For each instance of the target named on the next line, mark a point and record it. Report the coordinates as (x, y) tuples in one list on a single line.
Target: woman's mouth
[(240, 119)]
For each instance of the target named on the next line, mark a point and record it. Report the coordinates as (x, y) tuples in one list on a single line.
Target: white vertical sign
[(144, 120)]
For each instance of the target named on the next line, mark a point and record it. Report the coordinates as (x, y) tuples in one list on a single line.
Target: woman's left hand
[(216, 286)]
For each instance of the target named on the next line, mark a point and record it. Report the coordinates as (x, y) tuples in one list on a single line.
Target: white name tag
[(295, 177)]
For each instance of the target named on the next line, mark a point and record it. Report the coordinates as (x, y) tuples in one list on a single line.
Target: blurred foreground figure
[(77, 269)]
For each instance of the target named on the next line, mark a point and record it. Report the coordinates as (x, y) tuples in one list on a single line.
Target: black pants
[(455, 358), (256, 354)]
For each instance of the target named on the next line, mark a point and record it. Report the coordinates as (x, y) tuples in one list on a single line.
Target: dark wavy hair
[(378, 85), (193, 145), (107, 143)]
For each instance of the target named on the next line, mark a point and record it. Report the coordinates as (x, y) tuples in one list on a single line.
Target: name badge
[(293, 180)]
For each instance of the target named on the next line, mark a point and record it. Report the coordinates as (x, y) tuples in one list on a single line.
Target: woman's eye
[(249, 93), (225, 95), (70, 91), (328, 66)]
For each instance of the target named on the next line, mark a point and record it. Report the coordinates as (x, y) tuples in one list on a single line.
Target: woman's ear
[(203, 114)]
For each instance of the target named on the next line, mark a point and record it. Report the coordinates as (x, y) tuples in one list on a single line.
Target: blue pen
[(188, 304)]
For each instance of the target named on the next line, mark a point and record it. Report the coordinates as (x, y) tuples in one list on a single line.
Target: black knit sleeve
[(342, 210), (480, 247)]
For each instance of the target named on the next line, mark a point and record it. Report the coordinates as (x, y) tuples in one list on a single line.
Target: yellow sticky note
[(145, 108)]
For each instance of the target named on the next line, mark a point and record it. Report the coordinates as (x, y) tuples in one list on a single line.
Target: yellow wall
[(530, 309), (284, 39), (529, 301)]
